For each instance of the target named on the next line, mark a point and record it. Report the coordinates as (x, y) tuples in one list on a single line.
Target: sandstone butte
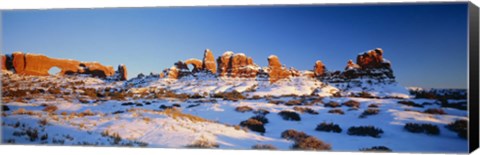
[(39, 65)]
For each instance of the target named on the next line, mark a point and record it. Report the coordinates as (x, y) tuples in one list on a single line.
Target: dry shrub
[(376, 149), (460, 127), (289, 115), (243, 109), (422, 128), (233, 96), (311, 143), (352, 103), (332, 104), (203, 144), (410, 103), (5, 108), (293, 102), (276, 102), (261, 112), (365, 131), (260, 118), (294, 135), (435, 111), (305, 110), (264, 147), (328, 127), (369, 111), (336, 111), (178, 114), (50, 108), (253, 125), (373, 105)]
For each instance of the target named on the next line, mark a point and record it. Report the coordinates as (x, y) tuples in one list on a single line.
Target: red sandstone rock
[(122, 70), (277, 72), (209, 63), (319, 68), (196, 63), (237, 65), (372, 59), (224, 64), (35, 64), (4, 62), (351, 65)]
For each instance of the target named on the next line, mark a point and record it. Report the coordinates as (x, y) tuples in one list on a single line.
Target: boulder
[(209, 63)]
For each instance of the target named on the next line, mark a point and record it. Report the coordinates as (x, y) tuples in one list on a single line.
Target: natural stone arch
[(196, 63)]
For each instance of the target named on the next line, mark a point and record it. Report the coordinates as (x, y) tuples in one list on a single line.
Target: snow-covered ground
[(138, 121)]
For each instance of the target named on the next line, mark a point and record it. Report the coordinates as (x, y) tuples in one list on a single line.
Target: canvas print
[(359, 77)]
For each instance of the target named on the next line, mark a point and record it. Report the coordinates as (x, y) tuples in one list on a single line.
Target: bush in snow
[(377, 149), (311, 143), (305, 110), (422, 128), (233, 96), (264, 147), (243, 109), (336, 111), (435, 111), (294, 135), (293, 102), (364, 94), (352, 103), (260, 118), (328, 127), (261, 112), (460, 127), (332, 104), (253, 125), (276, 102), (373, 105), (203, 144), (369, 111), (5, 108), (365, 131), (90, 92), (289, 115), (410, 103)]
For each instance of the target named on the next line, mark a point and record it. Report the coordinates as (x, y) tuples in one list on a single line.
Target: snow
[(213, 119)]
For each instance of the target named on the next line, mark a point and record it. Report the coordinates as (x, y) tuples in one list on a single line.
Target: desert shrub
[(233, 96), (253, 125), (260, 118), (422, 128), (54, 90), (195, 96), (87, 112), (264, 147), (414, 127), (289, 115), (364, 94), (127, 104), (43, 122), (373, 105), (311, 143), (336, 111), (5, 108), (32, 134), (261, 112), (369, 111), (410, 103), (305, 110), (377, 149), (460, 127), (44, 137), (294, 135), (293, 102), (328, 127), (431, 129), (256, 97), (243, 109), (118, 95), (203, 144), (332, 104), (365, 131), (118, 112), (276, 102), (176, 105), (50, 108), (352, 103), (435, 111), (90, 92)]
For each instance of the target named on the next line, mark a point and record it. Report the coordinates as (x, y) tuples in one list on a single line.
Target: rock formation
[(122, 71), (319, 68), (372, 59), (4, 62), (277, 72), (352, 66), (196, 63), (35, 64), (209, 62), (236, 65)]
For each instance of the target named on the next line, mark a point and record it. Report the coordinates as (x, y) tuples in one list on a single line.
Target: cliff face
[(35, 64)]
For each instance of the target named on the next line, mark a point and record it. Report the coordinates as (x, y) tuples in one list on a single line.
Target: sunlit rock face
[(277, 71), (209, 63), (236, 65), (36, 64)]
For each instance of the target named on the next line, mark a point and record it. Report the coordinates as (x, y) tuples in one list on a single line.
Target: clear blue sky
[(427, 44)]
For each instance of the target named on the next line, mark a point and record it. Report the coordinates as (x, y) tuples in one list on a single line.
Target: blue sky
[(427, 44)]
